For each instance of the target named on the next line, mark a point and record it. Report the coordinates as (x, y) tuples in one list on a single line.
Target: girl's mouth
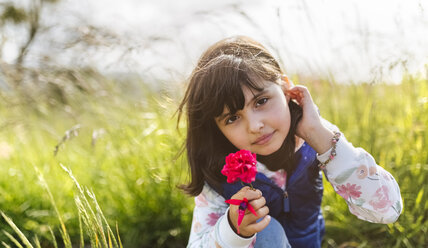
[(263, 139)]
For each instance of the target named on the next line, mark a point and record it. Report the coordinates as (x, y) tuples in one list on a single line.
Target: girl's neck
[(285, 157)]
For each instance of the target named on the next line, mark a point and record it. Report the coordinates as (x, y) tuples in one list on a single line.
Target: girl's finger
[(291, 94), (261, 212), (247, 192), (300, 94), (296, 96), (252, 194), (250, 218), (300, 90), (258, 203), (259, 226)]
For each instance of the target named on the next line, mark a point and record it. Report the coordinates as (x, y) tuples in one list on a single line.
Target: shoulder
[(209, 196)]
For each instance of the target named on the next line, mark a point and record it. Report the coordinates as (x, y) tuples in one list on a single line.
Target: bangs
[(224, 78)]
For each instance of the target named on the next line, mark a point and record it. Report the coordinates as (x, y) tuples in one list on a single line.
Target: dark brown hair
[(216, 82)]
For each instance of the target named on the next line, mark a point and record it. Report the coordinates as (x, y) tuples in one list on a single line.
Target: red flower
[(240, 165)]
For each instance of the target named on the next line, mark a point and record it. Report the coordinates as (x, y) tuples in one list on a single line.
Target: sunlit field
[(91, 161)]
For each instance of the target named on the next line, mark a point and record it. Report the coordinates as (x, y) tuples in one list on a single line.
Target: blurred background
[(88, 92)]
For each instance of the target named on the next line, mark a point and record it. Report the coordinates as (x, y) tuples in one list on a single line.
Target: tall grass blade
[(118, 236), (110, 245), (91, 194), (53, 237), (16, 242), (63, 231), (16, 229), (37, 242), (82, 240), (87, 221), (94, 221), (5, 245)]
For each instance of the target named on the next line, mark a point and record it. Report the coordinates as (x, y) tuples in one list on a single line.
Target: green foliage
[(123, 149), (95, 223), (121, 142)]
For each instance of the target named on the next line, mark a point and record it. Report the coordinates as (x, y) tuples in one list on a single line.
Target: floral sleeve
[(210, 225), (371, 192)]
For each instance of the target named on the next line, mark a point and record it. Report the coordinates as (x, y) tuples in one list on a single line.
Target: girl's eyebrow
[(221, 117), (255, 96)]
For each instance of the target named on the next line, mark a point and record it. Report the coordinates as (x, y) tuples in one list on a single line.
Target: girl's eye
[(261, 101), (231, 119)]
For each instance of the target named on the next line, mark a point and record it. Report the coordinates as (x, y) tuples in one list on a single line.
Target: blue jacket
[(300, 212)]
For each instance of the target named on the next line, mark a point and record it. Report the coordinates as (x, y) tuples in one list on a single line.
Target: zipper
[(286, 201), (285, 185)]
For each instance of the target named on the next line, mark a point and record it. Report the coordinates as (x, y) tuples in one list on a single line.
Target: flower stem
[(252, 188)]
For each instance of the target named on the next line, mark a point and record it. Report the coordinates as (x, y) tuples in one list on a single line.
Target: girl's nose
[(255, 124)]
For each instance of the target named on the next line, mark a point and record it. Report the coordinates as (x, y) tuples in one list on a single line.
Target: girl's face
[(262, 125)]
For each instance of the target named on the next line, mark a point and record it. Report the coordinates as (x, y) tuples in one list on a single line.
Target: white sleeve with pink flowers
[(371, 192), (210, 224)]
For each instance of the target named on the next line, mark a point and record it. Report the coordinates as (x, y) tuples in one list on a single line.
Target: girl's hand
[(310, 121), (249, 225), (310, 127)]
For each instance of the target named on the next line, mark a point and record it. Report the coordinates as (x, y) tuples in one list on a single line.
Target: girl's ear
[(286, 84)]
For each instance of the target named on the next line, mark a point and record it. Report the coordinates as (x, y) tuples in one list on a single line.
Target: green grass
[(124, 151), (390, 122), (120, 141)]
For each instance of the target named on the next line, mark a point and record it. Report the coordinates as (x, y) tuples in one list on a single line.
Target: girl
[(238, 98)]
